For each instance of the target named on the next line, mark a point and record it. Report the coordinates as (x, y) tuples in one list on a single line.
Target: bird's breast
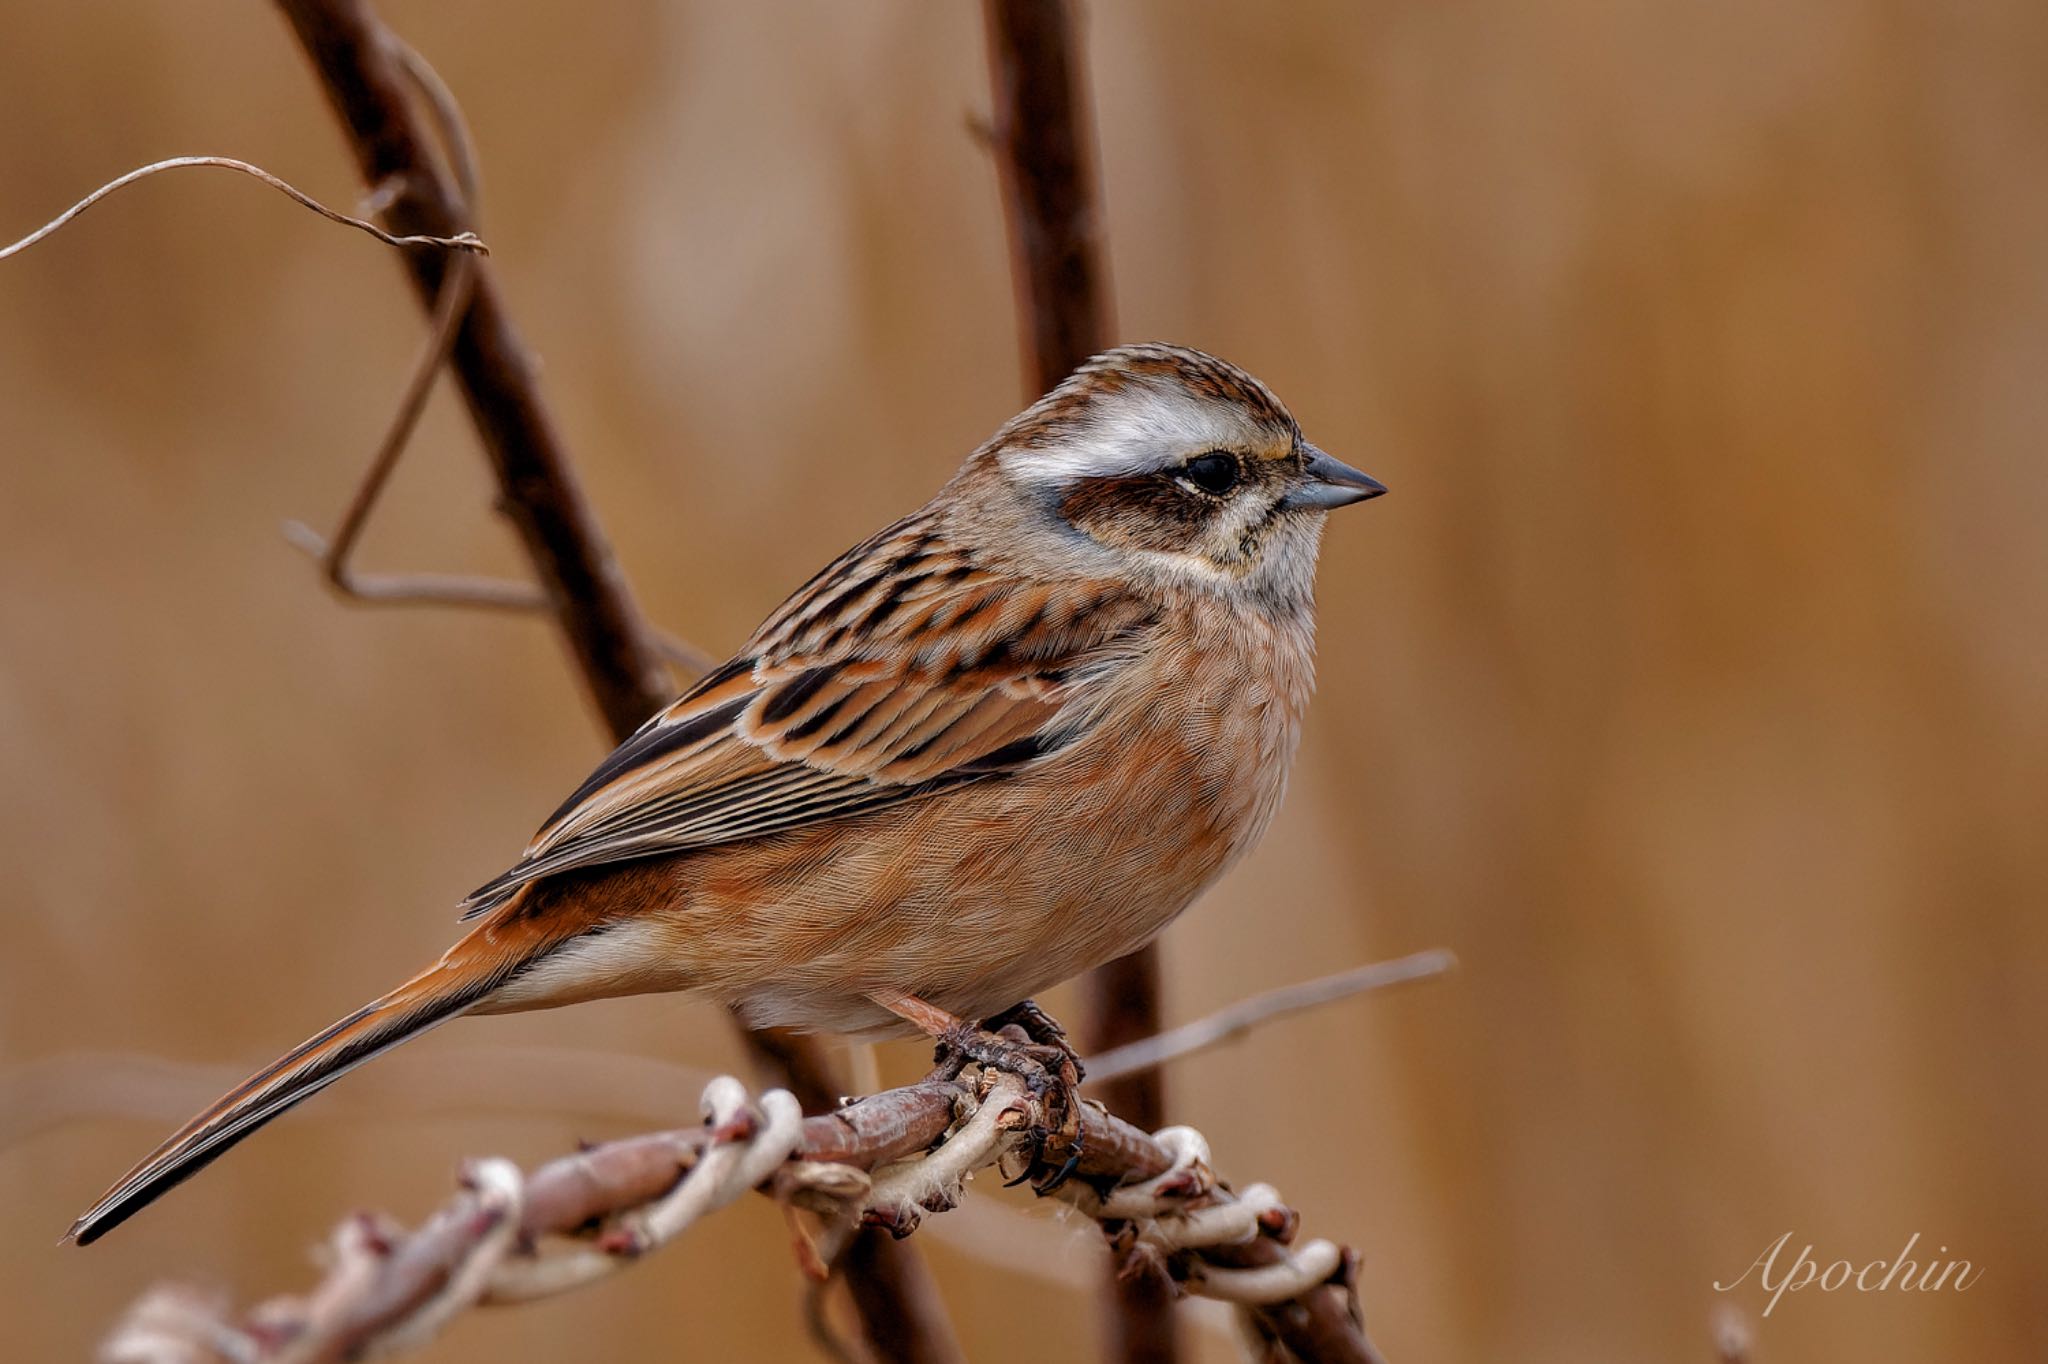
[(987, 893)]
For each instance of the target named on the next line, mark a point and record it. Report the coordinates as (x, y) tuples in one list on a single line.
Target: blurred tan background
[(1689, 686)]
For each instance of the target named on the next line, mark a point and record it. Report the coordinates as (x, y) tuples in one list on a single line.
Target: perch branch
[(887, 1161), (617, 654), (1043, 147)]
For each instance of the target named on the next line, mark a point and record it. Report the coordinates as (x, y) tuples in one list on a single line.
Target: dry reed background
[(1689, 686)]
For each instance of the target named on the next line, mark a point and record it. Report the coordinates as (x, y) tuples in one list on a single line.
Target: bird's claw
[(1040, 1027), (1051, 1075), (1053, 1182)]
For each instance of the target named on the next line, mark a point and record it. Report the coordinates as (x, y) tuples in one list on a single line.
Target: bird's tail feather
[(450, 987)]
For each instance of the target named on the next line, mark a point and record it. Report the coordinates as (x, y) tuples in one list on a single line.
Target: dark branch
[(1044, 155), (366, 82), (362, 69)]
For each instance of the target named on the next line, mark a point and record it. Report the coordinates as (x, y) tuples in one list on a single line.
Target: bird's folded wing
[(900, 671)]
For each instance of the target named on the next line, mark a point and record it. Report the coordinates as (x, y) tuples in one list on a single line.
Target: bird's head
[(1179, 468)]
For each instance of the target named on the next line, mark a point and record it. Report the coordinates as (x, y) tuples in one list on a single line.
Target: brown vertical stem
[(616, 654), (898, 1301), (1123, 999), (891, 1285), (1045, 156)]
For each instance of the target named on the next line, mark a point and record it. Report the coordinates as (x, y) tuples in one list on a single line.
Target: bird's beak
[(1328, 483)]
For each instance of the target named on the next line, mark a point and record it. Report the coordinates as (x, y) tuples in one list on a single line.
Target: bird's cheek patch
[(1136, 512)]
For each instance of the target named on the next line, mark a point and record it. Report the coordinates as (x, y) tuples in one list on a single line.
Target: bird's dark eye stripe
[(1215, 472)]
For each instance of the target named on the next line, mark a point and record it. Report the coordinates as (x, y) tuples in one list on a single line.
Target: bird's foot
[(1038, 1025), (1052, 1076)]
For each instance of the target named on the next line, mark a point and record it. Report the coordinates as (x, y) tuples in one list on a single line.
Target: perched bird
[(996, 744)]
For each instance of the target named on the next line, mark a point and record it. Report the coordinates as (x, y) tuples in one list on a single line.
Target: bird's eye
[(1216, 472)]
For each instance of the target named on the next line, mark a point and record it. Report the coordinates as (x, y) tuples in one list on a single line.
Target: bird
[(1004, 740)]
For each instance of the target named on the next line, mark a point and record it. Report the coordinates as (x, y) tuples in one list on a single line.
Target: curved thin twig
[(333, 554), (1241, 1017), (467, 242), (451, 305)]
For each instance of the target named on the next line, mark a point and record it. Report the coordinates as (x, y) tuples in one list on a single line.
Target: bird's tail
[(450, 987)]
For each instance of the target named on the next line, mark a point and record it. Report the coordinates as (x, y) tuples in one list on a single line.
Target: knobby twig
[(363, 74), (886, 1161), (1038, 131), (467, 242), (1237, 1019)]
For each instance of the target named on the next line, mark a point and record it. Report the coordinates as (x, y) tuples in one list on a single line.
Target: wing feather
[(902, 669)]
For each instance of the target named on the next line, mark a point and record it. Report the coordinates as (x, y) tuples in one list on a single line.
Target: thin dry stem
[(1235, 1020), (451, 303), (465, 241), (1043, 146)]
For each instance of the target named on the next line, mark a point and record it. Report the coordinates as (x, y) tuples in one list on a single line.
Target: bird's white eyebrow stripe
[(1142, 432)]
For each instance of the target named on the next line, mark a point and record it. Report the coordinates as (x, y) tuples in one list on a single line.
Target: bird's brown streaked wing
[(900, 671)]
